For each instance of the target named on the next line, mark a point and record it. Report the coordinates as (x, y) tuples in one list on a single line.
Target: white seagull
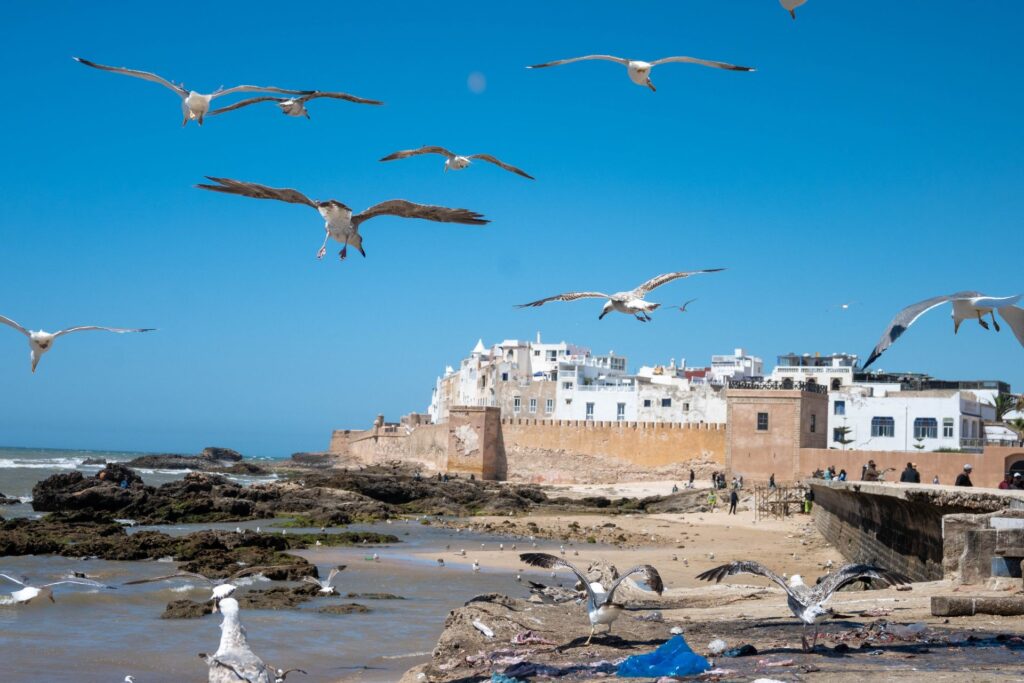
[(194, 105), (221, 588), (339, 222), (282, 674), (807, 602), (601, 607), (326, 585), (293, 106), (966, 306), (234, 660), (39, 342), (640, 72), (631, 302), (791, 5), (456, 162), (27, 593)]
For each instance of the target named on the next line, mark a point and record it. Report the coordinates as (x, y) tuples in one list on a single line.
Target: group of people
[(830, 474), (734, 499), (718, 481), (1014, 481)]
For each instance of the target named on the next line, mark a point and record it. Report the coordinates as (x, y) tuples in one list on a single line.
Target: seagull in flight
[(27, 593), (281, 674), (601, 607), (325, 585), (682, 309), (807, 602), (631, 302), (339, 222), (293, 106), (221, 588), (640, 72), (39, 342), (791, 5), (455, 162), (194, 105), (966, 306)]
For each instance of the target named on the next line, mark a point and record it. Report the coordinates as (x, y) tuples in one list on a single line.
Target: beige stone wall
[(759, 454)]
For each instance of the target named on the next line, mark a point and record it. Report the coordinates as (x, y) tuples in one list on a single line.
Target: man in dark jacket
[(964, 478), (734, 498), (910, 475)]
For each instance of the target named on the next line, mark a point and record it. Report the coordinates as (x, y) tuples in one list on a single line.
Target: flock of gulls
[(342, 225)]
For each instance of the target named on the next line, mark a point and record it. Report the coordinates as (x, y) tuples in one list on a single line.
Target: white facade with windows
[(738, 366), (834, 371), (885, 418)]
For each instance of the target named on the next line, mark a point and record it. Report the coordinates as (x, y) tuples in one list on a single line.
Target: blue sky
[(875, 157)]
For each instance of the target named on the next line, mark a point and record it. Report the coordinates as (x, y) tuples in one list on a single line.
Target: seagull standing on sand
[(807, 602), (293, 106), (631, 302), (476, 566), (601, 607), (640, 72), (27, 593), (326, 585), (194, 105), (456, 162), (234, 660), (791, 5), (39, 342), (966, 306), (221, 588), (339, 222)]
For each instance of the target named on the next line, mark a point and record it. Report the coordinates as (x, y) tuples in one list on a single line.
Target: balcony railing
[(785, 385)]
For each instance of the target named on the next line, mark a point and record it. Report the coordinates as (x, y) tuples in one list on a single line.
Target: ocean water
[(90, 635)]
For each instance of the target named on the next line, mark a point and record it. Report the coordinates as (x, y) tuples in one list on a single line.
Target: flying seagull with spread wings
[(966, 306), (807, 602), (455, 162), (601, 605), (640, 72), (339, 222), (293, 106), (791, 5), (221, 588), (194, 105), (39, 342), (326, 585), (28, 593), (631, 302)]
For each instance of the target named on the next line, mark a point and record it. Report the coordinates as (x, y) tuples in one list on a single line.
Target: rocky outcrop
[(210, 459), (4, 500)]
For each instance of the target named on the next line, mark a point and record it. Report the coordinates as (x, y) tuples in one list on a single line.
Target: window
[(762, 422), (552, 355), (947, 427), (549, 406), (686, 406), (926, 428), (517, 404), (620, 411), (883, 426), (666, 403), (838, 434), (504, 377), (814, 423), (536, 352), (837, 384), (533, 405), (839, 408), (647, 403), (590, 411), (567, 386)]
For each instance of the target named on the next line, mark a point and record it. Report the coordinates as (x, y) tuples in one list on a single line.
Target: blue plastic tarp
[(674, 658)]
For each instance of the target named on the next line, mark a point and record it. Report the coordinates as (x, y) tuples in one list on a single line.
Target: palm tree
[(1017, 425), (1005, 403)]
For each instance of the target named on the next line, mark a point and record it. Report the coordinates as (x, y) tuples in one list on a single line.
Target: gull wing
[(284, 674), (658, 281), (259, 88), (137, 74), (338, 96), (995, 301), (702, 62), (79, 582), (229, 186), (559, 62), (567, 296), (314, 581), (406, 209), (244, 103), (334, 572), (427, 149), (248, 571), (743, 567), (551, 561), (11, 323), (168, 577), (1014, 317), (498, 162), (14, 580), (849, 573), (116, 330), (907, 317), (651, 577)]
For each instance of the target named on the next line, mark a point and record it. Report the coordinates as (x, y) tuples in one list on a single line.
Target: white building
[(738, 366), (889, 418), (834, 371)]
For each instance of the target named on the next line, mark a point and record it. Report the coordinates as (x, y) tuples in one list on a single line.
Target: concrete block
[(1009, 538), (966, 605), (975, 561)]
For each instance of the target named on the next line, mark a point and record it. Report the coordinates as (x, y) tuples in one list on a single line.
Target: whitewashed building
[(834, 371), (738, 366)]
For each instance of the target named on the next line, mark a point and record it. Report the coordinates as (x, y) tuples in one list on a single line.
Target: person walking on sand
[(734, 498), (771, 481), (692, 477), (712, 500), (675, 488), (964, 478)]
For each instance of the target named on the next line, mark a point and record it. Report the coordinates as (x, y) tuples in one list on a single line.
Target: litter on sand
[(673, 658)]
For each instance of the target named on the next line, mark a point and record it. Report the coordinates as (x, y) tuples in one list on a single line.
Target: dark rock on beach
[(347, 608), (4, 500), (94, 461), (211, 459)]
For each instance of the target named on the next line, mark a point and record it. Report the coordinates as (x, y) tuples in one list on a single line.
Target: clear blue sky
[(875, 156)]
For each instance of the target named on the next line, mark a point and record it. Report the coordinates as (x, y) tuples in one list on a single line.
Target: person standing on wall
[(870, 472), (910, 475), (734, 498), (964, 478), (808, 500)]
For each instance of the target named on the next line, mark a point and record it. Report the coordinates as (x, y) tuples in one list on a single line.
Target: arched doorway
[(787, 383), (837, 384), (1015, 463)]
